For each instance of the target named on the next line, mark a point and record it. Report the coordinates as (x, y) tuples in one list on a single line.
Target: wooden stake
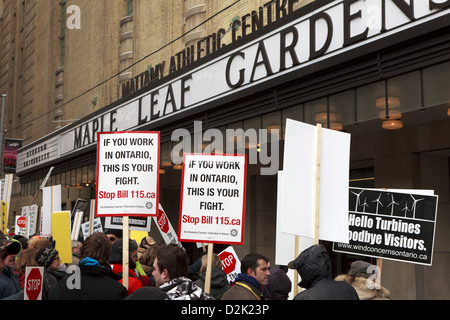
[(125, 252), (380, 266), (296, 275), (208, 269), (317, 182)]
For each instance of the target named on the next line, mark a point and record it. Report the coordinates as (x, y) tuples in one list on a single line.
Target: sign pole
[(296, 275), (208, 268), (317, 182), (125, 253)]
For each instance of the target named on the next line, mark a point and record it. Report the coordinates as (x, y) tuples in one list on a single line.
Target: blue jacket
[(9, 283)]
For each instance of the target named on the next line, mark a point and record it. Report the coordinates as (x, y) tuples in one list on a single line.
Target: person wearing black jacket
[(314, 267), (95, 279)]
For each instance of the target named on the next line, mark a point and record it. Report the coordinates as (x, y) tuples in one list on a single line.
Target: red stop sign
[(163, 222), (33, 284), (228, 262), (21, 222)]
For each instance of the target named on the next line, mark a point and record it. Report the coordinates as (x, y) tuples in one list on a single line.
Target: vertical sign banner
[(213, 198), (127, 173), (31, 220), (61, 235), (391, 225), (10, 154)]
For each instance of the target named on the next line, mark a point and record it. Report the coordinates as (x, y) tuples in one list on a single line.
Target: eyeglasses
[(57, 258)]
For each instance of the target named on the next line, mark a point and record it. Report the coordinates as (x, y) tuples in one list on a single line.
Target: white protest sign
[(96, 227), (31, 220), (20, 226), (51, 199), (213, 199), (230, 263), (299, 185), (285, 244), (127, 173), (165, 227)]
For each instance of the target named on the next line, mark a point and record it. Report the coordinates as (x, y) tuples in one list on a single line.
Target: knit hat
[(147, 242), (117, 250), (45, 256), (12, 246)]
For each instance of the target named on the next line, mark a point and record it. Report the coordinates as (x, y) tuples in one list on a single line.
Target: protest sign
[(127, 173), (61, 235), (33, 283), (51, 198), (315, 182), (134, 223), (20, 226), (231, 264), (391, 225), (165, 227), (89, 228), (212, 199)]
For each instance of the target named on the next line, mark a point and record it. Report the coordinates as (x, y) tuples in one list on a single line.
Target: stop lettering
[(163, 222), (228, 262), (33, 284), (21, 222)]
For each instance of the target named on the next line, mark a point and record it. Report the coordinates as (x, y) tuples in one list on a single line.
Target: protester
[(96, 279), (314, 267), (146, 243), (135, 279), (170, 274), (9, 280), (25, 259), (146, 260), (7, 247), (148, 293), (249, 283), (359, 276), (113, 234), (279, 285), (219, 280), (39, 243), (76, 251), (49, 259)]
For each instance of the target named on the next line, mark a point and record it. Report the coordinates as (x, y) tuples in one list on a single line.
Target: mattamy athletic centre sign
[(313, 38)]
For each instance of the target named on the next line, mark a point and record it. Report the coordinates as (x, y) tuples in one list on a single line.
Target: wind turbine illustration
[(392, 204), (406, 209), (413, 208), (357, 199), (378, 201), (365, 205)]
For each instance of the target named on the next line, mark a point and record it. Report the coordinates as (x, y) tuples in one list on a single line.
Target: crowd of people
[(163, 272)]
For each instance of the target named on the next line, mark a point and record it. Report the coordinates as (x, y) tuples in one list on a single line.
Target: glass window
[(294, 113), (404, 93), (316, 112), (251, 139), (436, 85), (342, 109), (370, 100), (272, 121)]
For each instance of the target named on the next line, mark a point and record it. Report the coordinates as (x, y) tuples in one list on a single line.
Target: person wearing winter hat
[(135, 279), (9, 280), (314, 267), (279, 285), (49, 259), (360, 277)]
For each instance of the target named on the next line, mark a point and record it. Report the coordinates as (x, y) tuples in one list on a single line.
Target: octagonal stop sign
[(22, 222), (228, 262), (33, 283)]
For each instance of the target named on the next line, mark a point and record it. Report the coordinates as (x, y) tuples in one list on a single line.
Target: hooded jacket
[(182, 288), (219, 282), (314, 267)]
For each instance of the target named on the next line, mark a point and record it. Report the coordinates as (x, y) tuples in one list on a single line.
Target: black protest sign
[(391, 225)]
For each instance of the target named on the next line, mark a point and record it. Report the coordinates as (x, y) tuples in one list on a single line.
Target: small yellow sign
[(61, 235)]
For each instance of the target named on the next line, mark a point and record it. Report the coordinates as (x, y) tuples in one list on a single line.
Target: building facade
[(75, 68)]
